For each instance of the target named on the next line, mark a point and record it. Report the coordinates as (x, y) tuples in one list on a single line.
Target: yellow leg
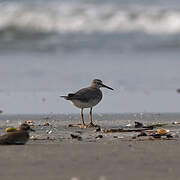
[(82, 117), (90, 113), (91, 121)]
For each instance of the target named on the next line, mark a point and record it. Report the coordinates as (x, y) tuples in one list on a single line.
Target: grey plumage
[(85, 94), (87, 98)]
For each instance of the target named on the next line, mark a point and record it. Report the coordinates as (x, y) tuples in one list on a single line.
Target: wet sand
[(78, 160)]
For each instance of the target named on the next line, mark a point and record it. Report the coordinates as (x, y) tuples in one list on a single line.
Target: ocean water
[(51, 48)]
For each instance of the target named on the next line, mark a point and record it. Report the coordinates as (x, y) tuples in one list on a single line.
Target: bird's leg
[(91, 122), (82, 117)]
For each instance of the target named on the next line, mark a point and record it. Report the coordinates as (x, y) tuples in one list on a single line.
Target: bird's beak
[(107, 87), (32, 130)]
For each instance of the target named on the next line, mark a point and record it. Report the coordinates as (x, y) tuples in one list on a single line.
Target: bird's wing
[(86, 93)]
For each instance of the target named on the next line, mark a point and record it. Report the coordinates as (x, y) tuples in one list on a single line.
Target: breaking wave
[(31, 20)]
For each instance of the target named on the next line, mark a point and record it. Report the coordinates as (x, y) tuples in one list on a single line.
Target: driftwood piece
[(80, 126), (75, 125), (125, 130), (141, 125)]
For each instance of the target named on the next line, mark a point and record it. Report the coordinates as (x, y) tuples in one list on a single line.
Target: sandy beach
[(158, 159), (52, 153)]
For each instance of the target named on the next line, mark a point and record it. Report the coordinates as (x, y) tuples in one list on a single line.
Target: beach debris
[(10, 129), (141, 125), (97, 130), (121, 137), (125, 130), (129, 124), (152, 126), (162, 131), (175, 123), (75, 125), (18, 137), (138, 124), (142, 134), (49, 131), (134, 137), (85, 126), (112, 130), (50, 138), (115, 136), (79, 138), (46, 124), (156, 136), (34, 137), (159, 125), (169, 136), (99, 136)]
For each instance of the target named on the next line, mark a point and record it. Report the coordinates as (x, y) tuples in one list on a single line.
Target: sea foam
[(69, 17)]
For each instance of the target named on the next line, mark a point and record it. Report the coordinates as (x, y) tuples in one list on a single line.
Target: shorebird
[(18, 137), (87, 98)]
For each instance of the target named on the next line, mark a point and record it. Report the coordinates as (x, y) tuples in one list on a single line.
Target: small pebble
[(142, 134), (98, 129), (49, 132), (99, 136), (169, 136), (121, 137), (176, 123), (46, 124), (79, 138), (138, 124), (134, 137), (157, 135)]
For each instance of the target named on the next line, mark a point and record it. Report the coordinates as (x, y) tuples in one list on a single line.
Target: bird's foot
[(78, 125), (91, 125), (83, 126)]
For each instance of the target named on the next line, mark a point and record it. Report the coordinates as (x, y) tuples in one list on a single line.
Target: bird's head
[(98, 84), (25, 127)]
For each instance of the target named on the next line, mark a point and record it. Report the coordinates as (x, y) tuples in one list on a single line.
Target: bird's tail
[(68, 97)]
